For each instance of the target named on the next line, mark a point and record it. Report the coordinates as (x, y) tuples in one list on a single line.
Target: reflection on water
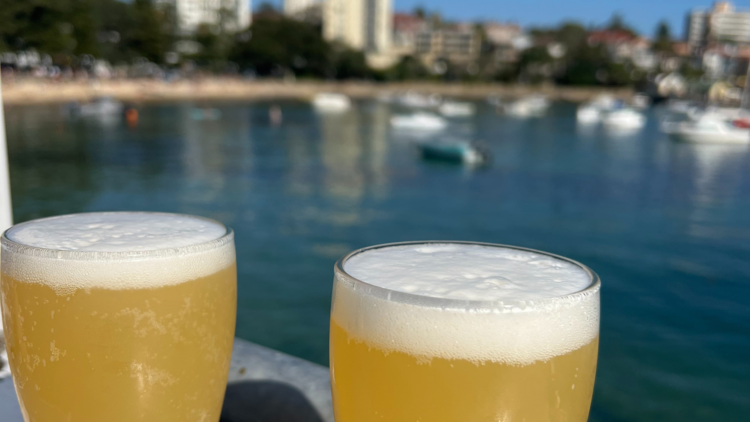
[(342, 145), (666, 225), (719, 173)]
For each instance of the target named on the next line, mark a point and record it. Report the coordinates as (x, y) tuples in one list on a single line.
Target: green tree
[(170, 25), (572, 35), (44, 25), (534, 64), (587, 66), (283, 44), (215, 46), (115, 22), (663, 38), (80, 16), (147, 38), (408, 68), (349, 64), (617, 23)]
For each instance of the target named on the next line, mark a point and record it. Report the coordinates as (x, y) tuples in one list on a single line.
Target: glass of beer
[(452, 331), (119, 317)]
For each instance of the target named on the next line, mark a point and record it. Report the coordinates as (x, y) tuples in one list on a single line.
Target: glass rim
[(432, 301), (14, 247)]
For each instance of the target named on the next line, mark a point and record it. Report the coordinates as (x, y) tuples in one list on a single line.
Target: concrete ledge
[(264, 385)]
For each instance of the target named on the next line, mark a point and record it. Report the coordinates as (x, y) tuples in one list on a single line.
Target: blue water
[(666, 225)]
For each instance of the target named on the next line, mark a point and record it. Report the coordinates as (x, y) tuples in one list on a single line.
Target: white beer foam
[(526, 311), (122, 250)]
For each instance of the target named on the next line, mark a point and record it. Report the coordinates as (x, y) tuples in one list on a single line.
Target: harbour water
[(666, 225)]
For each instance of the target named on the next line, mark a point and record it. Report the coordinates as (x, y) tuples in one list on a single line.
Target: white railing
[(6, 211)]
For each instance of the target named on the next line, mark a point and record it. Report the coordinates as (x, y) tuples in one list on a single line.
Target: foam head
[(116, 250), (467, 301)]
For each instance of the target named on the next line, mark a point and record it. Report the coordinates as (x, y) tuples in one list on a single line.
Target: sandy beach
[(19, 92)]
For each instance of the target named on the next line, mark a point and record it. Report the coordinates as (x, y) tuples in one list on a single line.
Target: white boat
[(594, 111), (419, 122), (729, 113), (331, 103), (531, 106), (104, 106), (708, 128), (625, 119), (495, 101), (640, 101), (456, 109), (605, 102), (589, 114), (679, 106), (415, 100)]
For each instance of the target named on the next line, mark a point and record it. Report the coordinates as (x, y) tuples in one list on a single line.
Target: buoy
[(131, 116)]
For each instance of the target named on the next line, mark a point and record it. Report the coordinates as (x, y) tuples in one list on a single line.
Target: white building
[(720, 24), (233, 15), (360, 24), (730, 26), (460, 44), (697, 28), (295, 7)]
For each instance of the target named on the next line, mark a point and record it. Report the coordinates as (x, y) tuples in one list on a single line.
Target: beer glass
[(452, 331), (119, 317)]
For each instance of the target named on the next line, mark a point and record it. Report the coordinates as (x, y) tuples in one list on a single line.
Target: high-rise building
[(696, 29), (232, 15), (730, 26), (359, 24), (720, 24)]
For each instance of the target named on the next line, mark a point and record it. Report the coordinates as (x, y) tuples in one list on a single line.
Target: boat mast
[(743, 103)]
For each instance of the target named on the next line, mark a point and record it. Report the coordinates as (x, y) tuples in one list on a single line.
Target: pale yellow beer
[(423, 349), (134, 323)]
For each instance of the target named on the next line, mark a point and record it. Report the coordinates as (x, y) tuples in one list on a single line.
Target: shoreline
[(30, 92)]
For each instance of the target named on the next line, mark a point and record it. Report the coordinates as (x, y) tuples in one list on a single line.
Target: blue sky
[(642, 14)]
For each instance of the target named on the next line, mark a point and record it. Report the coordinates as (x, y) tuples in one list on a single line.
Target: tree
[(587, 66), (349, 64), (408, 68), (285, 44), (572, 35), (663, 38), (147, 37), (420, 12), (48, 26), (115, 22), (211, 50), (534, 64), (617, 23)]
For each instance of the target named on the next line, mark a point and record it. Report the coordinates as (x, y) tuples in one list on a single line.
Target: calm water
[(666, 225)]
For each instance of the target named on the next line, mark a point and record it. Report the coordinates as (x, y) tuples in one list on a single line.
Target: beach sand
[(35, 91)]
